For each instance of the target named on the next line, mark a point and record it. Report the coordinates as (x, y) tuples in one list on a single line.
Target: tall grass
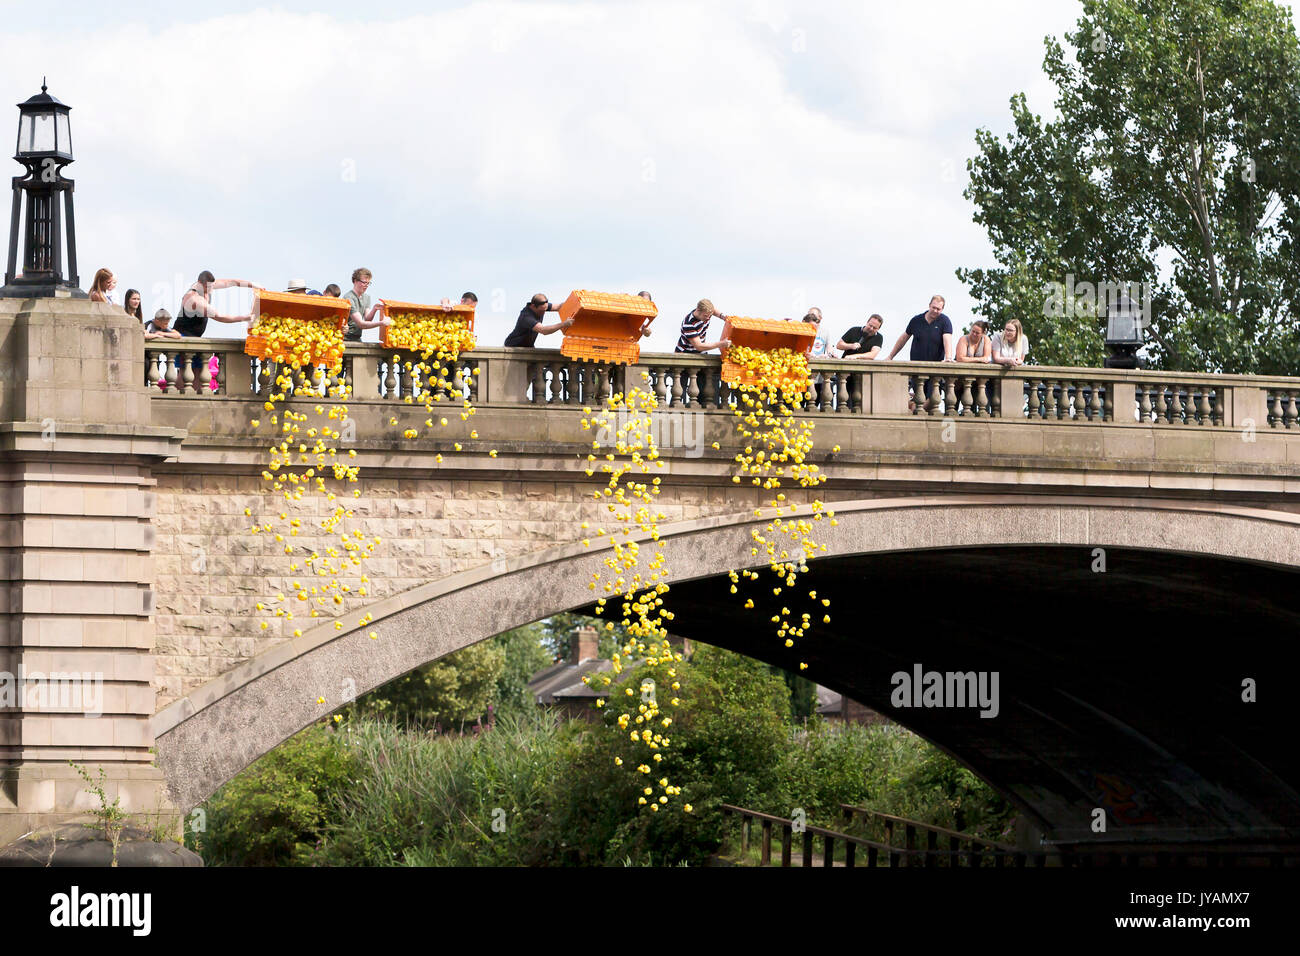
[(446, 800)]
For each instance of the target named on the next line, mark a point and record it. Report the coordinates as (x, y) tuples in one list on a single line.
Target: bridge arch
[(208, 736)]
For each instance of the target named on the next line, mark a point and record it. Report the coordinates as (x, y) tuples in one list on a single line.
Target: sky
[(769, 156)]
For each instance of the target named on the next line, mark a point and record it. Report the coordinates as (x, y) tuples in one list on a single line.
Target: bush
[(534, 791), (273, 813)]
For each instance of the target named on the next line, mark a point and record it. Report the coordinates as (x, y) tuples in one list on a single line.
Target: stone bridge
[(1117, 546)]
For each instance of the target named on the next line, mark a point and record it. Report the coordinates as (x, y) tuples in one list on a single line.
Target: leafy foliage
[(535, 791), (272, 814), (1175, 160), (524, 655), (449, 693)]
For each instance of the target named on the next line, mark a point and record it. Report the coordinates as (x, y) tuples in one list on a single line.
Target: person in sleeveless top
[(974, 345), (196, 310)]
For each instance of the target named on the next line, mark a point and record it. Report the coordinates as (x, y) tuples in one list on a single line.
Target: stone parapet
[(77, 501)]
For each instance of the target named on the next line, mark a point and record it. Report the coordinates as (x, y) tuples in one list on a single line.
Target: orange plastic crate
[(600, 350), (770, 334), (765, 335), (256, 346), (606, 325), (391, 307), (291, 305)]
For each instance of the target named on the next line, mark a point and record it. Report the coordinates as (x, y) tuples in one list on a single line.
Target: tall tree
[(1174, 161)]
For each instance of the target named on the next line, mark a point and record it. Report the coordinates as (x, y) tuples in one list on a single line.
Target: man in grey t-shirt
[(362, 315)]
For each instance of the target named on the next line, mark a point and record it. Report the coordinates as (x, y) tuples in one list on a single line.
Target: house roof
[(828, 701), (563, 681)]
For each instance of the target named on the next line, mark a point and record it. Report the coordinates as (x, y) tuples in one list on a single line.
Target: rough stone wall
[(211, 571)]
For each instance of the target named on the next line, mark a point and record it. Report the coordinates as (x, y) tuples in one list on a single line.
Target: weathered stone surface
[(80, 844)]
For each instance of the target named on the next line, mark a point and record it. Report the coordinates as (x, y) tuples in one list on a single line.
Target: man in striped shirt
[(695, 325)]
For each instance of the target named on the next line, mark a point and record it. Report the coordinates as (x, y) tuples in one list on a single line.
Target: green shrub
[(375, 794), (272, 814)]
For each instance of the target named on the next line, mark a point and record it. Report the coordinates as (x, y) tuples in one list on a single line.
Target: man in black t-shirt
[(863, 342), (529, 324)]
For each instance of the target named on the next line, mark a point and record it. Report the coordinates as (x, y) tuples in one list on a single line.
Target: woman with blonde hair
[(1010, 345), (102, 286)]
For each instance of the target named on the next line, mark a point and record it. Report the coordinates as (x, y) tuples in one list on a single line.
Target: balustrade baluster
[(152, 374), (994, 396), (950, 395), (693, 386), (1108, 404), (1031, 389), (982, 397), (390, 380), (936, 387), (587, 378), (572, 382), (1078, 403), (1094, 403), (824, 401), (1203, 407), (1175, 405), (1144, 402), (187, 373), (841, 400), (556, 370), (677, 390), (967, 398), (708, 389), (1049, 399), (1162, 409), (1290, 414), (1275, 409)]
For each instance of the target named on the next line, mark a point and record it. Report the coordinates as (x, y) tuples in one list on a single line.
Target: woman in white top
[(1010, 345)]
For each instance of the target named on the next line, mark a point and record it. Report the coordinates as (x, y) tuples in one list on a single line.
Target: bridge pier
[(77, 450)]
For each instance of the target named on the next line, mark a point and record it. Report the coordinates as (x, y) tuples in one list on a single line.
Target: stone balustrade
[(184, 369)]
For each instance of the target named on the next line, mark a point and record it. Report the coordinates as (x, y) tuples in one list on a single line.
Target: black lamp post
[(44, 147), (1123, 334)]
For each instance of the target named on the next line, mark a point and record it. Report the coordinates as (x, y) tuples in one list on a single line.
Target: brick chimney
[(584, 643)]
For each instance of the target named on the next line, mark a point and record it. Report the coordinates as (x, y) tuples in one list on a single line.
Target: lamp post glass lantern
[(44, 147), (1123, 334)]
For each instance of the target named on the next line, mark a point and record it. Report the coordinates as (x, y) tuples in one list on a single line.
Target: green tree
[(803, 693), (448, 693), (1174, 161), (525, 655)]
